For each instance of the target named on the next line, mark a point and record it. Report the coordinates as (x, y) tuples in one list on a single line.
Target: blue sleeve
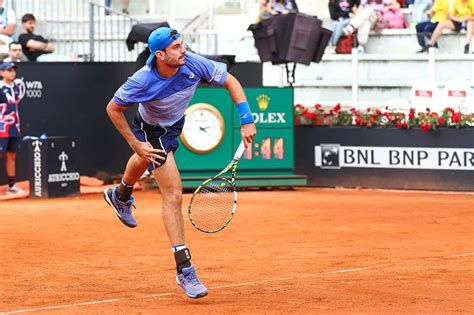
[(213, 72), (134, 90)]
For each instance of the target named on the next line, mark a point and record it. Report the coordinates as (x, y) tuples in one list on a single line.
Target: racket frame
[(231, 166)]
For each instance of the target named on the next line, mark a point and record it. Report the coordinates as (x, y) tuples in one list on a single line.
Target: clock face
[(204, 128)]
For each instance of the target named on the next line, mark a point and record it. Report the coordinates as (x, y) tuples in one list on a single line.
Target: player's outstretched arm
[(236, 92), (144, 149)]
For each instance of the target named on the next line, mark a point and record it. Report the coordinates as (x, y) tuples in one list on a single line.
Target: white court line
[(251, 283), (395, 191)]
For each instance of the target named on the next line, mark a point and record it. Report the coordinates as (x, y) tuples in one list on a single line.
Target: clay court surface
[(295, 251)]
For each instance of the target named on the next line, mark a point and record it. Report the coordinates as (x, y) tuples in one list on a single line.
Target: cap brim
[(150, 59)]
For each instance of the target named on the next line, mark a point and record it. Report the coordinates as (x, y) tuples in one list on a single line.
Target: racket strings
[(212, 207)]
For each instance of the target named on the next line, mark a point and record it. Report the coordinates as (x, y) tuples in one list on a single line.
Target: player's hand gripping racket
[(213, 204)]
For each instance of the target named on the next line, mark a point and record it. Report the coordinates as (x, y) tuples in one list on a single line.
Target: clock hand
[(204, 129)]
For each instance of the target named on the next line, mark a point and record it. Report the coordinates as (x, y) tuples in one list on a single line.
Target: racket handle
[(240, 151)]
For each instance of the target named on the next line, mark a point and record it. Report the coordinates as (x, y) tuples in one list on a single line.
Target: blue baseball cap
[(7, 65), (159, 39)]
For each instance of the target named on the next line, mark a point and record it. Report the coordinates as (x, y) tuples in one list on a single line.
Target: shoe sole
[(109, 202), (197, 296)]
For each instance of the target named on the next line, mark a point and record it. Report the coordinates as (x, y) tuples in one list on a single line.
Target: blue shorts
[(9, 144), (160, 137)]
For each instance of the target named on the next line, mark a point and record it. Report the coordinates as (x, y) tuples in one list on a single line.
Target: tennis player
[(163, 89)]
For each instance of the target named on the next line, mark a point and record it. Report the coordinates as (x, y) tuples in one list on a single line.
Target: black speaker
[(264, 42), (300, 38), (322, 43), (140, 32), (293, 37)]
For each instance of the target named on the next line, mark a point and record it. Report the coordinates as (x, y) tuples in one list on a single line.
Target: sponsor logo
[(263, 100), (63, 177), (218, 76), (269, 118), (37, 167), (191, 75), (21, 86), (422, 93), (31, 89), (330, 156), (334, 156), (63, 158), (457, 93)]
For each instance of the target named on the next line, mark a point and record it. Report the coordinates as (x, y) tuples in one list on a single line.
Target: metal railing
[(81, 30), (86, 30)]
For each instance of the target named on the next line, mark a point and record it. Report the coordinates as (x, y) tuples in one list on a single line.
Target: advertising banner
[(386, 157)]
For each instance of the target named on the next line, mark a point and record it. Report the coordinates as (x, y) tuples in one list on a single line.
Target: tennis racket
[(213, 204)]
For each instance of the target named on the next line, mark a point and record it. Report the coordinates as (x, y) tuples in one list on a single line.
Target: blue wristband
[(245, 113)]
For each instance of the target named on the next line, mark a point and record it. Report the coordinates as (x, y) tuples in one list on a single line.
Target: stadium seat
[(425, 94), (458, 94)]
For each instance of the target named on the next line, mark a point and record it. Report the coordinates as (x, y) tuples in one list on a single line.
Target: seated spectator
[(265, 10), (461, 15), (341, 11), (125, 4), (7, 29), (15, 53), (369, 16), (284, 6), (33, 45), (421, 11), (439, 13)]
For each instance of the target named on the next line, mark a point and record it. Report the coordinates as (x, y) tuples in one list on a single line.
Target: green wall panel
[(273, 149)]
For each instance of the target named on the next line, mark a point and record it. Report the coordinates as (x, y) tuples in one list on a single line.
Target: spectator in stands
[(461, 15), (33, 45), (439, 13), (341, 11), (15, 53), (125, 4), (7, 28), (369, 16), (265, 10), (420, 11), (284, 6)]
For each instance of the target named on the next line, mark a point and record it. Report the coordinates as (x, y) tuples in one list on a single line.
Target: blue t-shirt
[(9, 119), (163, 101)]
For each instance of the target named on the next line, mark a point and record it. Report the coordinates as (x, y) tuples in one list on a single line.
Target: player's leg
[(169, 181), (120, 197)]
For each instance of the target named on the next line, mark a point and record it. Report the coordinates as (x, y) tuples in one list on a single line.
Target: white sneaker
[(330, 50), (360, 49), (14, 190)]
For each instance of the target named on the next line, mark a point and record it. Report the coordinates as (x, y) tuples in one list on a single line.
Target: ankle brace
[(183, 259), (124, 191)]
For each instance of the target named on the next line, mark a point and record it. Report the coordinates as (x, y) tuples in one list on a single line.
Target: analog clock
[(204, 128)]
